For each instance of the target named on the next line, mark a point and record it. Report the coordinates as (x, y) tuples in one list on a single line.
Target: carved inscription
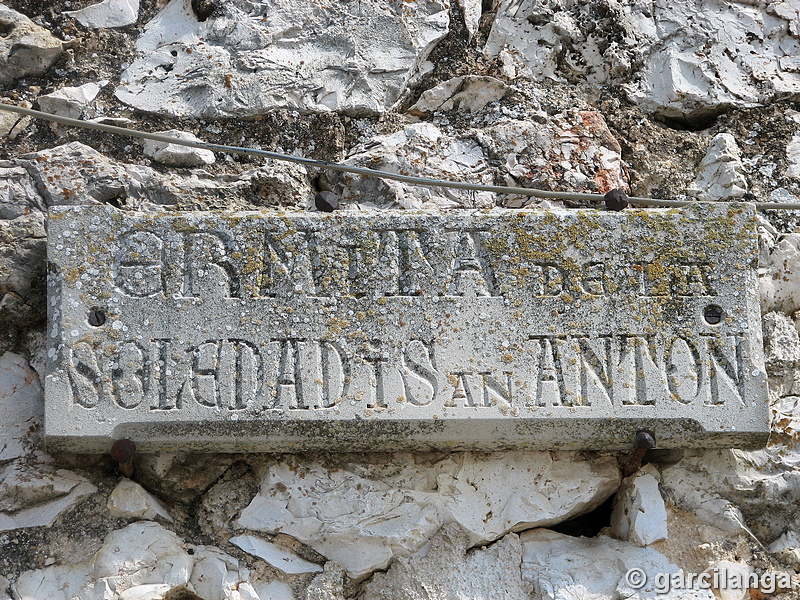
[(295, 374), (387, 263), (499, 323)]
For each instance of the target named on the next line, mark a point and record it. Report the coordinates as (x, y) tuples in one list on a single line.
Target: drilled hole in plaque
[(713, 314), (97, 317)]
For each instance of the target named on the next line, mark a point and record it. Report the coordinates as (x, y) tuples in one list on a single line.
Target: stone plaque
[(389, 330)]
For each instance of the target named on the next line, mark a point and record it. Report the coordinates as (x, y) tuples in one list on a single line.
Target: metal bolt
[(616, 199), (645, 439), (97, 318), (122, 451), (712, 314)]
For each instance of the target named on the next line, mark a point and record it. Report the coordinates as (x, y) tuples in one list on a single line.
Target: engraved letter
[(419, 375), (88, 382), (207, 272), (683, 370), (139, 265), (127, 376)]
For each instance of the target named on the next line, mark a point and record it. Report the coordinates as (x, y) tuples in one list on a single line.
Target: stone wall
[(670, 100)]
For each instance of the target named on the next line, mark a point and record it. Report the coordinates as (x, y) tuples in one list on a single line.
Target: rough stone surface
[(176, 155), (561, 567), (448, 571), (276, 556), (570, 151), (419, 150), (680, 60), (142, 560), (70, 101), (403, 331), (694, 70), (35, 497), (469, 92), (639, 515), (21, 407), (130, 500), (25, 48), (247, 58), (721, 176), (108, 13), (362, 519), (22, 269)]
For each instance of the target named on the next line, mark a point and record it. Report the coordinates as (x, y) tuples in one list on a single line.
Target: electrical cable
[(324, 164)]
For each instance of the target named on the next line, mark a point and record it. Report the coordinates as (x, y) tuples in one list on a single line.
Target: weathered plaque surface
[(404, 330)]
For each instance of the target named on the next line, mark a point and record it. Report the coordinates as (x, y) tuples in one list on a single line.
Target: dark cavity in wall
[(697, 122), (590, 524)]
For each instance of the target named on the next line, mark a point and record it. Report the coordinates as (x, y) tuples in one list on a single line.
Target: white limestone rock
[(676, 60), (21, 407), (363, 519), (472, 10), (787, 546), (573, 151), (489, 495), (721, 176), (561, 567), (732, 578), (12, 124), (75, 173), (468, 92), (781, 343), (217, 576), (690, 490), (281, 559), (18, 196), (358, 522), (140, 562), (722, 486), (176, 155), (70, 102), (639, 514), (132, 501), (26, 49), (793, 157), (35, 495), (420, 150), (108, 13), (448, 571), (247, 58), (273, 590), (779, 273)]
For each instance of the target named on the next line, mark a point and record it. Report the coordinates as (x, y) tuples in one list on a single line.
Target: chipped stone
[(468, 92), (70, 102), (26, 49), (176, 155), (639, 514), (721, 174), (679, 61), (254, 349), (237, 61), (397, 508), (36, 496), (108, 13), (561, 566), (276, 556), (21, 407), (132, 501), (448, 571)]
